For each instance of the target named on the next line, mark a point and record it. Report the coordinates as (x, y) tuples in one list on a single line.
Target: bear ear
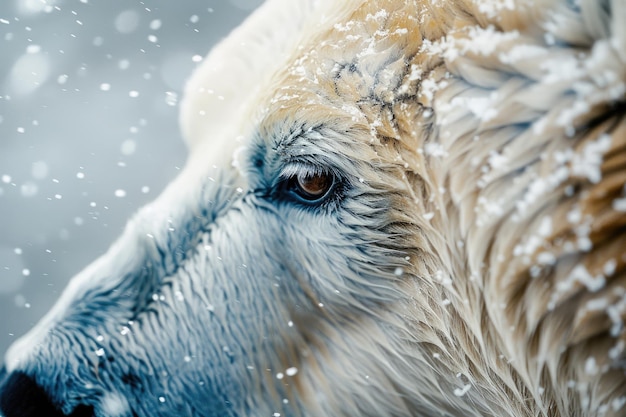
[(218, 90)]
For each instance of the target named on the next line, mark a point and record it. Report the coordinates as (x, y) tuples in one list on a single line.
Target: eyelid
[(302, 168)]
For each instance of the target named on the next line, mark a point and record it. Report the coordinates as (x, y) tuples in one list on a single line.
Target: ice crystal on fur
[(391, 207)]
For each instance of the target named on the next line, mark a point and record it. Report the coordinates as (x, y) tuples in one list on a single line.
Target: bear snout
[(21, 396)]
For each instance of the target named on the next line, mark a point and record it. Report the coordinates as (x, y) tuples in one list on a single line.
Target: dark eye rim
[(288, 190), (296, 190)]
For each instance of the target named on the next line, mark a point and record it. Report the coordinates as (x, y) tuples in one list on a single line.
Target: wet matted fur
[(467, 256)]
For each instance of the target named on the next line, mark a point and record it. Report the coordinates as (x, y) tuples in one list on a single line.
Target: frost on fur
[(390, 208)]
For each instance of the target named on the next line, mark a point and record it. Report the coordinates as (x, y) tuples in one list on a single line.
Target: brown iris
[(312, 187)]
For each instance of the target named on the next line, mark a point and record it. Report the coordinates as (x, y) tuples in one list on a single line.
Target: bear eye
[(311, 186)]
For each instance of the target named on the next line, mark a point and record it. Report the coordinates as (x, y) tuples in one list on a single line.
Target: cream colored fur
[(498, 129), (469, 259)]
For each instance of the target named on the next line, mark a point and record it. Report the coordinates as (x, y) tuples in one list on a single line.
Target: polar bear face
[(371, 222)]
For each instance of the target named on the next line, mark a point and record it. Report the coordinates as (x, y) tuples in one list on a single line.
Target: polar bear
[(390, 208)]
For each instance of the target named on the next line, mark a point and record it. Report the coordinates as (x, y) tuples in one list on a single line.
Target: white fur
[(468, 262)]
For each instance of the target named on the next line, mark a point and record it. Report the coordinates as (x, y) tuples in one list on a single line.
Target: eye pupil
[(313, 186)]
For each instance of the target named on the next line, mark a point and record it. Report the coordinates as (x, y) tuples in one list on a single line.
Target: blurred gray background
[(89, 93)]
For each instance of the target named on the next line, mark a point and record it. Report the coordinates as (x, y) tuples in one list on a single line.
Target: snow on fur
[(391, 207)]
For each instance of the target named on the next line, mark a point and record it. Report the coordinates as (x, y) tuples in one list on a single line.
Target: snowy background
[(89, 93)]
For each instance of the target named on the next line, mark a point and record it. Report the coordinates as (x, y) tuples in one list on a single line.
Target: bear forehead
[(361, 75)]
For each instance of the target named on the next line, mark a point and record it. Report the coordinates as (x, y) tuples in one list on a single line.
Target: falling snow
[(128, 147), (459, 392), (156, 24), (41, 69)]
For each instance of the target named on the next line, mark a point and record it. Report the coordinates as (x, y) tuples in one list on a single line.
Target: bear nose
[(21, 396)]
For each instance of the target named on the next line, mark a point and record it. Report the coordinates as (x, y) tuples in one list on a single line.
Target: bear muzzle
[(21, 396)]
